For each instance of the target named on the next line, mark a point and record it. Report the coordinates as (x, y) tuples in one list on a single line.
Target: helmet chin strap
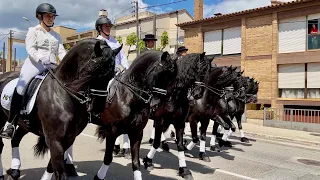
[(104, 32)]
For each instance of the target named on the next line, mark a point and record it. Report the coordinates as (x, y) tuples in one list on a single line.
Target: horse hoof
[(96, 178), (150, 141), (148, 163), (14, 173), (185, 173), (214, 148), (71, 170), (165, 146), (244, 139), (204, 157), (2, 177), (126, 153), (227, 144), (116, 150)]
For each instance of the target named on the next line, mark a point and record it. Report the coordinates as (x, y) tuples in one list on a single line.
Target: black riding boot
[(16, 104)]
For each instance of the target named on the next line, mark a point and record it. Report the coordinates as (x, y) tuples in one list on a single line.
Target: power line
[(4, 37), (165, 4)]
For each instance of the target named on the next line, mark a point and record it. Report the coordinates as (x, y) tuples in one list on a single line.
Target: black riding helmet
[(45, 8), (102, 20)]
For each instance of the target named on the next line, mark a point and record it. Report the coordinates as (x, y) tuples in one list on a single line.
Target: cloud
[(230, 6)]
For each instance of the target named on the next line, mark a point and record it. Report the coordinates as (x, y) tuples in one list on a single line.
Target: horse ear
[(164, 56), (97, 49), (202, 55), (116, 51)]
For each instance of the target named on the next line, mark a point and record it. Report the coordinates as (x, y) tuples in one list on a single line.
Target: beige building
[(127, 24)]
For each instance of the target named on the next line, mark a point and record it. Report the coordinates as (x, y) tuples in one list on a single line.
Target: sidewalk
[(279, 133)]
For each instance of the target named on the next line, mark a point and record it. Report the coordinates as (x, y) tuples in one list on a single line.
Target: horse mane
[(77, 68)]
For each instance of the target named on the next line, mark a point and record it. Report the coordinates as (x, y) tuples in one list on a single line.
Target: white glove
[(45, 60)]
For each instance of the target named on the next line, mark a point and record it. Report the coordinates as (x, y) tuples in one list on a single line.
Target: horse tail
[(101, 132), (41, 147)]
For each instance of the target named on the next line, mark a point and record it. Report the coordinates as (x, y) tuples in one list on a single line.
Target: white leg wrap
[(229, 133), (225, 136), (46, 176), (1, 168), (137, 175), (68, 155), (213, 140), (163, 138), (153, 133), (191, 145), (102, 171), (182, 159), (202, 146), (241, 133), (126, 141), (15, 163), (220, 129), (151, 153), (117, 141)]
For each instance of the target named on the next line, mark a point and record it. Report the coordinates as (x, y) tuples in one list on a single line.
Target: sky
[(81, 14)]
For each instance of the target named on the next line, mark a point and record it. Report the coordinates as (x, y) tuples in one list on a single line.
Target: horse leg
[(126, 148), (239, 122), (203, 131), (147, 161), (214, 136), (135, 149), (48, 173), (193, 126), (110, 140), (224, 140), (68, 158), (57, 158), (14, 171), (152, 132), (164, 144), (116, 149), (183, 170)]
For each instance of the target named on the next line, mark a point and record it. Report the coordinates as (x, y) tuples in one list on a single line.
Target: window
[(313, 34)]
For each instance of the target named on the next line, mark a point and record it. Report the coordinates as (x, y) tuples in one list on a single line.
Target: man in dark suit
[(150, 41), (181, 51)]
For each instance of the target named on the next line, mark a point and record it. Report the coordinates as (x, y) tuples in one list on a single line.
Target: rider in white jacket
[(42, 45), (103, 26)]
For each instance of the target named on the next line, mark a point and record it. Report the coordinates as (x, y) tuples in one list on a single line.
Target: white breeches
[(28, 71)]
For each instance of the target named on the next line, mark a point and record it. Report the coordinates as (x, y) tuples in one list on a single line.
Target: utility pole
[(177, 30), (14, 60), (9, 56), (3, 57), (138, 35), (154, 27)]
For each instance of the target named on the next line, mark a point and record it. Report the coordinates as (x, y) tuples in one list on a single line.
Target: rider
[(43, 45), (182, 51), (103, 26)]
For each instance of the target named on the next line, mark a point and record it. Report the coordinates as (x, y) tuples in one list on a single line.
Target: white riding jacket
[(40, 43), (121, 58)]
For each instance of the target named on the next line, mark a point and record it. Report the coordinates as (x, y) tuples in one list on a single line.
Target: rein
[(82, 98), (214, 90)]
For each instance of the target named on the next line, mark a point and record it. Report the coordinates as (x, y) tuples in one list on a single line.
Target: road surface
[(262, 158)]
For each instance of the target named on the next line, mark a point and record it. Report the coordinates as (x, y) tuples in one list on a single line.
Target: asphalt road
[(260, 159)]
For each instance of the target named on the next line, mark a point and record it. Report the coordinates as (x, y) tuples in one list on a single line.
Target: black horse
[(247, 90), (65, 102), (138, 91), (214, 104), (192, 69)]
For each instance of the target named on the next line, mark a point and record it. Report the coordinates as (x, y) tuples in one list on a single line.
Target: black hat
[(46, 8), (149, 37), (182, 48), (102, 20)]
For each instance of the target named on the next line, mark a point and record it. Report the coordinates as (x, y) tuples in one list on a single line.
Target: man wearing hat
[(150, 41), (182, 51)]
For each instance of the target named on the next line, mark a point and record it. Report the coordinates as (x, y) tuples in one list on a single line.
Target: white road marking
[(83, 134)]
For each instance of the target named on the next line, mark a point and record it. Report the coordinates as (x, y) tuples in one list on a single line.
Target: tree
[(141, 45), (130, 41), (119, 39), (67, 47), (164, 40)]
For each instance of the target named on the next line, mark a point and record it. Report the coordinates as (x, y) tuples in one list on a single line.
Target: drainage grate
[(309, 162)]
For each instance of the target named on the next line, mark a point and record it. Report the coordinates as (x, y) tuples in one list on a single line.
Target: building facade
[(278, 45), (126, 25)]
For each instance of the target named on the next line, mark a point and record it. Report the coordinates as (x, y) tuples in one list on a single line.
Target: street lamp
[(27, 20)]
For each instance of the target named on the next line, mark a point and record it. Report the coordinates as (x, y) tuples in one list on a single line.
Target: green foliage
[(119, 39), (131, 40), (67, 47), (141, 45), (164, 40)]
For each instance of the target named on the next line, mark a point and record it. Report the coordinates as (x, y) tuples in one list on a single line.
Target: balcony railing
[(313, 41)]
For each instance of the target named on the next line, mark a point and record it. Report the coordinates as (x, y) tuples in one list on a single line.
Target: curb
[(284, 138)]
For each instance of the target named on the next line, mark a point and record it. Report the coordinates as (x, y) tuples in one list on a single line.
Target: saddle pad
[(9, 89)]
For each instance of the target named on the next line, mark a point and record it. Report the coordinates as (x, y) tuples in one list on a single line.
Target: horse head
[(89, 65), (252, 90)]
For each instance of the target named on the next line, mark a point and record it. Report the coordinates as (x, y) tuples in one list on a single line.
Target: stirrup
[(8, 137)]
